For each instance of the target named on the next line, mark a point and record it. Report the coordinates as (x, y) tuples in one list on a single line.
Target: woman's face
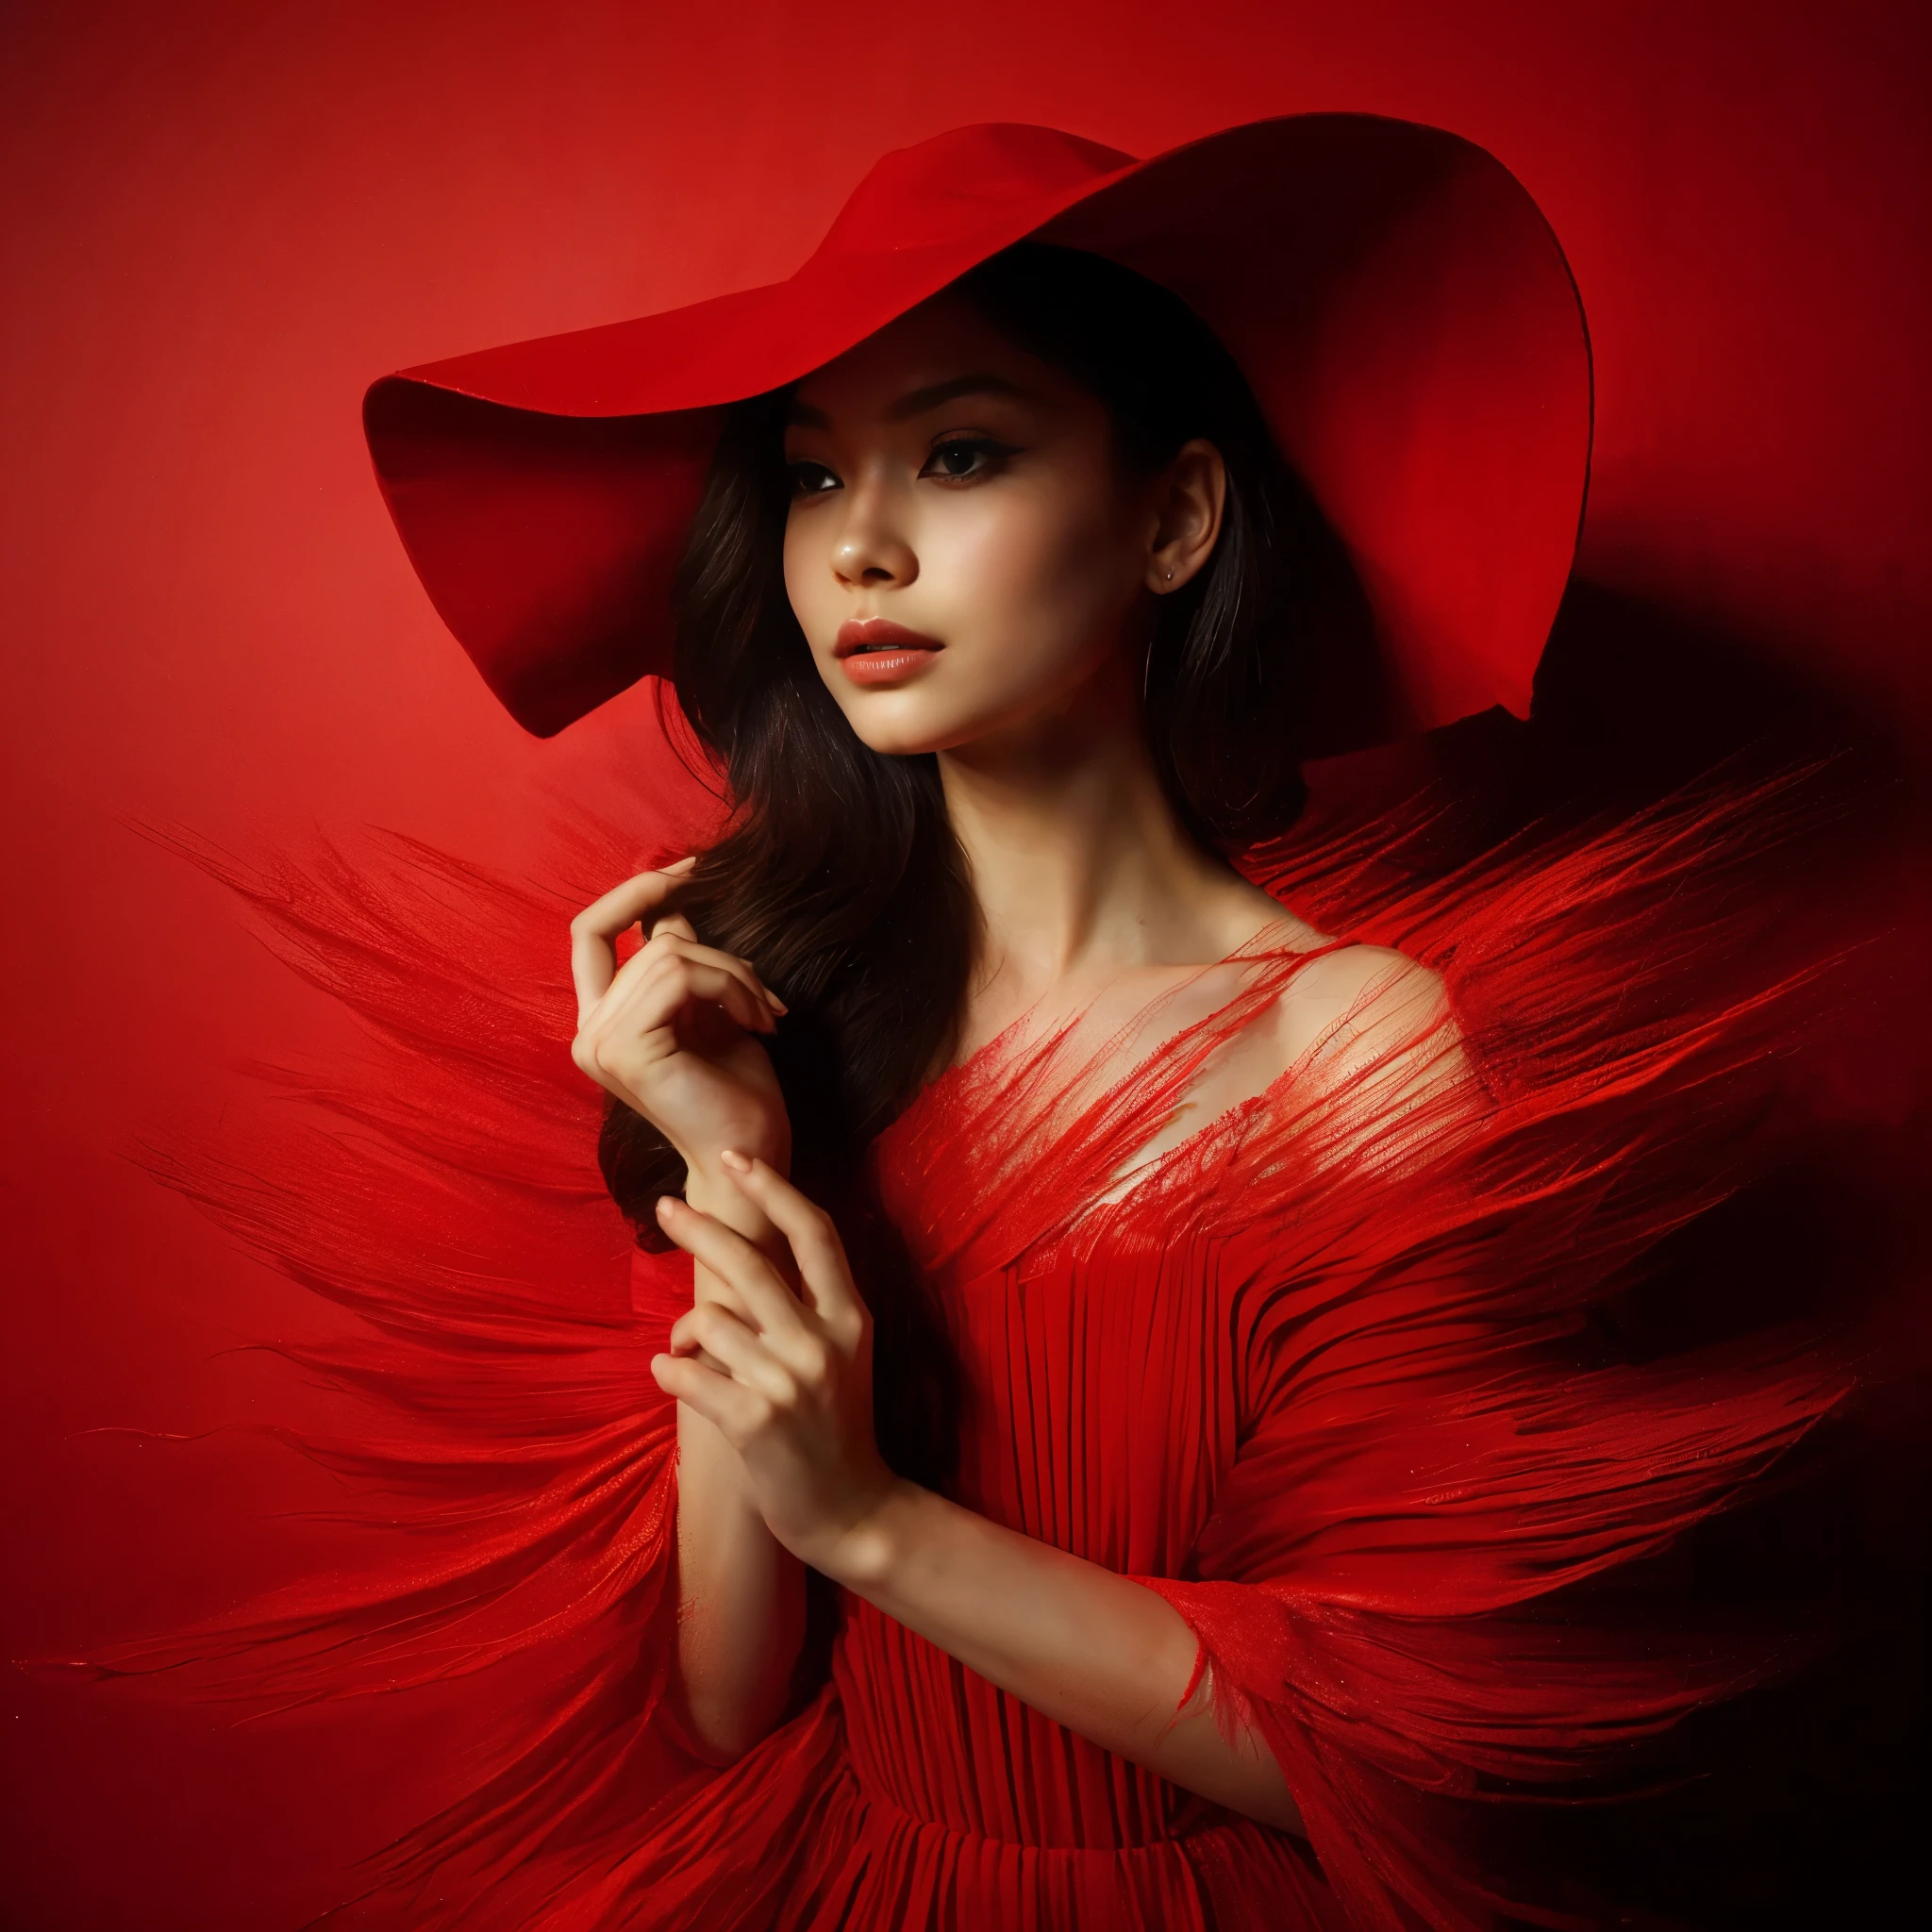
[(963, 551)]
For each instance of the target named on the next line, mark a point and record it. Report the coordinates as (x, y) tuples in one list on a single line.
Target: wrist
[(704, 1171), (868, 1554), (710, 1187)]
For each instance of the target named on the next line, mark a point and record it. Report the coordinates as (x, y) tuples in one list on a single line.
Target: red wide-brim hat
[(1399, 305)]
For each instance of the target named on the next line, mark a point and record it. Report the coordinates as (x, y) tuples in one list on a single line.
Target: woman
[(1153, 1309), (975, 548)]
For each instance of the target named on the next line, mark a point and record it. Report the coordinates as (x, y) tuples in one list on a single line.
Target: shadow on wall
[(1632, 699), (1792, 1806)]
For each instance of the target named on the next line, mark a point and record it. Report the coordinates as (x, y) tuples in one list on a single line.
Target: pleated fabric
[(1315, 1374)]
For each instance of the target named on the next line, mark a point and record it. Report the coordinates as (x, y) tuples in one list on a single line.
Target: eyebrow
[(803, 416), (921, 400)]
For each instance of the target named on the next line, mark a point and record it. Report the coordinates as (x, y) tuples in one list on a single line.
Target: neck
[(1076, 859)]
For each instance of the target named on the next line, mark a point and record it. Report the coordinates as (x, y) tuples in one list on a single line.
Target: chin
[(906, 723), (908, 739), (942, 713)]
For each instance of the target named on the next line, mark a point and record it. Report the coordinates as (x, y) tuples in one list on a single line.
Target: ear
[(1191, 499)]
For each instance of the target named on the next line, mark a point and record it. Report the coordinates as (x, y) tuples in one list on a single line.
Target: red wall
[(219, 223)]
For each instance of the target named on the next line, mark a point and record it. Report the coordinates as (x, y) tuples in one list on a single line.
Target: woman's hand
[(673, 1033), (789, 1390), (789, 1384)]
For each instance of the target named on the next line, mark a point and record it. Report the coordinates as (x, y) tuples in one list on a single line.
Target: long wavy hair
[(839, 877)]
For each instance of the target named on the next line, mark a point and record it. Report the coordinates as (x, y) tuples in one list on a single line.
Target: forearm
[(1082, 1645), (742, 1594), (741, 1599), (787, 1380)]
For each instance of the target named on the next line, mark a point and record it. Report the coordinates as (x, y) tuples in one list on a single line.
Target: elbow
[(1277, 1810), (715, 1756), (718, 1731), (732, 1683), (719, 1746)]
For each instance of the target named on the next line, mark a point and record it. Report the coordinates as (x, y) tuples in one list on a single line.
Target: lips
[(876, 651), (866, 634)]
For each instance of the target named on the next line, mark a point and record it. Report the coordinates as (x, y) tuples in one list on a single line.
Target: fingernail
[(667, 1204), (732, 1158)]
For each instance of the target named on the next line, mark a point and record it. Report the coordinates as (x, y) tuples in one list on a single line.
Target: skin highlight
[(956, 486)]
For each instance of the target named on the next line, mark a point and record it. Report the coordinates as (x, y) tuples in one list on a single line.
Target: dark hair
[(839, 877)]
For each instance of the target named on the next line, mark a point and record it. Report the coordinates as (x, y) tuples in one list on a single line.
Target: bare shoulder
[(1366, 1022), (1359, 1003), (1354, 971), (1375, 1029)]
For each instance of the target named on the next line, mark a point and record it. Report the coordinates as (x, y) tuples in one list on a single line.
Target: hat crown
[(959, 184)]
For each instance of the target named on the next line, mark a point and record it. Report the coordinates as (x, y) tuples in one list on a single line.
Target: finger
[(735, 1410), (789, 1330), (814, 1239), (593, 931), (687, 1336), (646, 963), (636, 899), (632, 1027), (769, 1307), (697, 1353), (656, 986), (693, 948), (592, 966), (668, 983), (727, 1340), (626, 1034)]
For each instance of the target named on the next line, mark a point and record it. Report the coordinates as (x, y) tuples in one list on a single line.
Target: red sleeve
[(1365, 1597), (1386, 1586)]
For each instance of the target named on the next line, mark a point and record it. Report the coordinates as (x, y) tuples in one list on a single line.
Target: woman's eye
[(812, 479), (959, 457)]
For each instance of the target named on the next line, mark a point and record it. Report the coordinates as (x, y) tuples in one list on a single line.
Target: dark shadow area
[(1631, 701), (1796, 1804)]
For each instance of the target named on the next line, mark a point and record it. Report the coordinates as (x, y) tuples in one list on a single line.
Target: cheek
[(1045, 569), (807, 576)]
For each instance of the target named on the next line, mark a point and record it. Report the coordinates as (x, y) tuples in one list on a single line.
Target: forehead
[(929, 348)]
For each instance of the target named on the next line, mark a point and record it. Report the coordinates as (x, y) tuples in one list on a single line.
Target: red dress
[(1318, 1375)]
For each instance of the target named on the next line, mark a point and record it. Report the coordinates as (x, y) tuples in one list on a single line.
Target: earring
[(1170, 577)]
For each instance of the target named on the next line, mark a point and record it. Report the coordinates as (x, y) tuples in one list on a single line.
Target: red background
[(221, 222)]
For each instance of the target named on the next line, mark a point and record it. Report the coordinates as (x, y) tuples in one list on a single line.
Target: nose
[(871, 552)]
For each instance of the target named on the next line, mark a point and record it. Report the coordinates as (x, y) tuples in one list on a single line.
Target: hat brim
[(1400, 309)]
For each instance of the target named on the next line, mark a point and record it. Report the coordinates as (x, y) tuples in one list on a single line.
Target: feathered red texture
[(1311, 1374)]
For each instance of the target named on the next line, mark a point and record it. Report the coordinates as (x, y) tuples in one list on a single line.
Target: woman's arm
[(787, 1386), (1082, 1645), (674, 1033), (740, 1592)]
